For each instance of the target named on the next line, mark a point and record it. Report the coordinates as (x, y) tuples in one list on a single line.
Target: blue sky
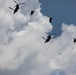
[(62, 11)]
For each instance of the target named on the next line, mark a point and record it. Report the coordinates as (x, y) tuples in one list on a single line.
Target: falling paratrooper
[(50, 19), (48, 37), (74, 40), (32, 11), (16, 7)]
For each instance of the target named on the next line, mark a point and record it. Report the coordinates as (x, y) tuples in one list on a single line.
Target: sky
[(62, 11), (22, 48)]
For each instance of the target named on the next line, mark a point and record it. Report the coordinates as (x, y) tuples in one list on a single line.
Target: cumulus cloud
[(22, 49)]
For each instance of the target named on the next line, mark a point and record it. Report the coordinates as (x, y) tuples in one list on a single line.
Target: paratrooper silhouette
[(16, 7)]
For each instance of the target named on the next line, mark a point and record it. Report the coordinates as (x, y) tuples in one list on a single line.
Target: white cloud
[(22, 49)]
